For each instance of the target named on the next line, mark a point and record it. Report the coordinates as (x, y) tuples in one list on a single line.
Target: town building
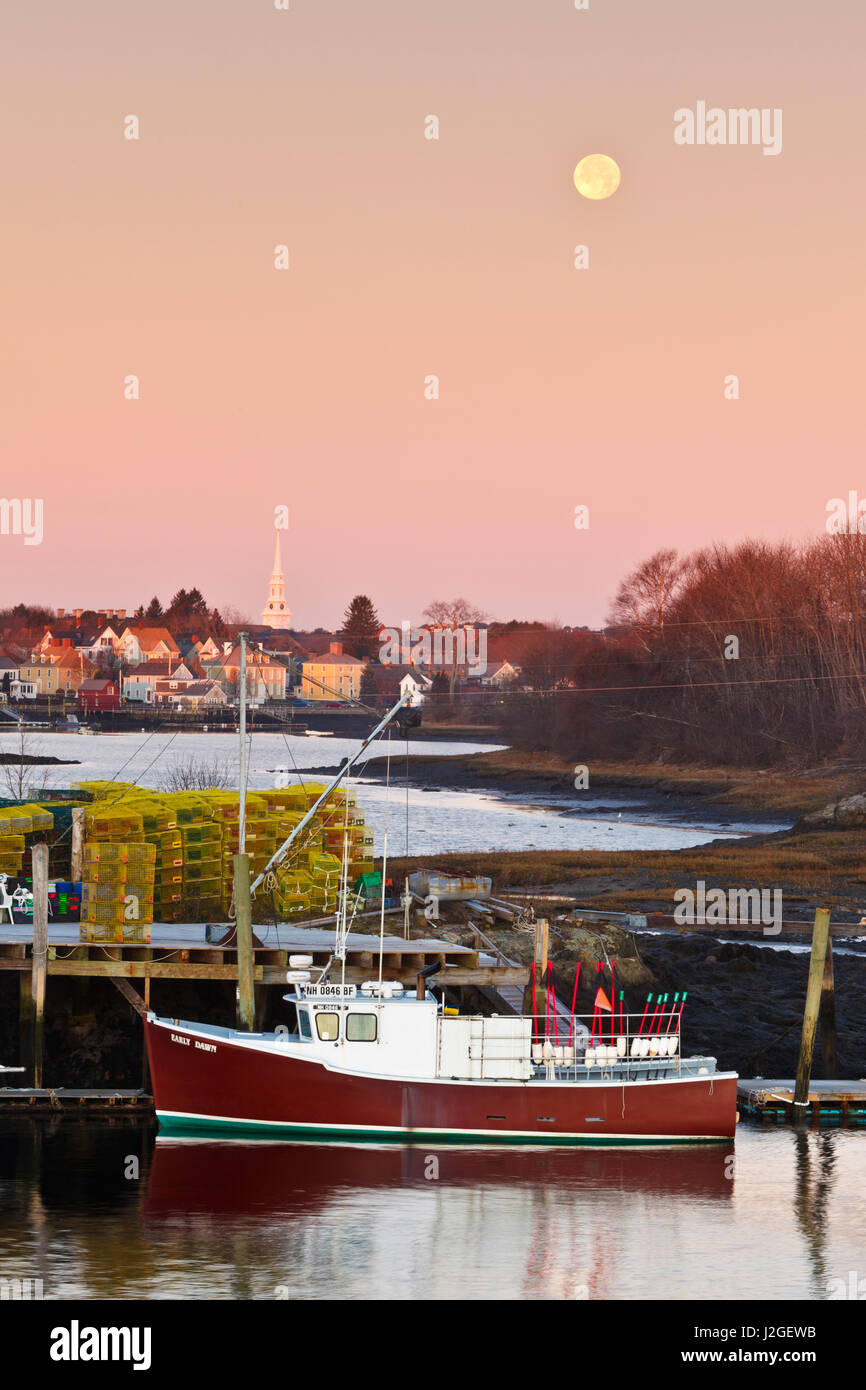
[(266, 677), (140, 683), (60, 675), (333, 675), (393, 681), (98, 695), (195, 695), (139, 644)]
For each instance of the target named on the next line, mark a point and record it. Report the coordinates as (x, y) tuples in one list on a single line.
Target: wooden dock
[(50, 1100), (828, 1101), (180, 951)]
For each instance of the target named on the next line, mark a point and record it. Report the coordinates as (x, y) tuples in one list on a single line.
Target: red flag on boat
[(602, 1001)]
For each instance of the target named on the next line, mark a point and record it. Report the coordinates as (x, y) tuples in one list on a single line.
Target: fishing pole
[(680, 1014), (595, 1003), (655, 1012), (662, 1014), (547, 1003), (649, 1000), (671, 1014), (552, 977), (573, 1004), (612, 999)]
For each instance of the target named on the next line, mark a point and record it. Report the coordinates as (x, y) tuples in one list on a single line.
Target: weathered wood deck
[(179, 951)]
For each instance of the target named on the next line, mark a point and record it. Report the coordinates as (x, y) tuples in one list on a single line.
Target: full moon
[(597, 176)]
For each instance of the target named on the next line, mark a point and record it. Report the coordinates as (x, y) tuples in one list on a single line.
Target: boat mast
[(243, 901)]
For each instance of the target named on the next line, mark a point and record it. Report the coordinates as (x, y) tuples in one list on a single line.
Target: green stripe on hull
[(204, 1124)]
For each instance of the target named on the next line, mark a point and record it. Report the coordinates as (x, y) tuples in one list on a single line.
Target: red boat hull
[(220, 1085)]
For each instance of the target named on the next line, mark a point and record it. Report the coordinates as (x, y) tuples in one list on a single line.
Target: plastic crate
[(137, 931), (103, 914), (209, 832), (100, 931), (103, 893), (106, 872), (106, 852), (205, 868)]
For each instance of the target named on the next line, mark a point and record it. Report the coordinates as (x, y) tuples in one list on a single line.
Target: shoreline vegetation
[(819, 865), (786, 793)]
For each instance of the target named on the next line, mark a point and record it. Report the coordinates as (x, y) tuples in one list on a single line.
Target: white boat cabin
[(379, 1029)]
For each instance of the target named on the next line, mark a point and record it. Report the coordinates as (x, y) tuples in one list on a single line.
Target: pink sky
[(410, 257)]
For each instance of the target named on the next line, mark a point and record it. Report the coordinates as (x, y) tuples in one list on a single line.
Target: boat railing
[(599, 1047)]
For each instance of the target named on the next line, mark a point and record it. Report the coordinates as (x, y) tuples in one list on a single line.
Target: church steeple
[(275, 612)]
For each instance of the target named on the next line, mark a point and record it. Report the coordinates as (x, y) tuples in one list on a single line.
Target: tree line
[(751, 654)]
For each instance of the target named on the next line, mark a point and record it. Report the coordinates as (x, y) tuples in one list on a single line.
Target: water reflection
[(100, 1210), (815, 1171)]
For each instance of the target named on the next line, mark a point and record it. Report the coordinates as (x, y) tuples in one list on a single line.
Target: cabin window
[(328, 1026), (361, 1028), (304, 1023)]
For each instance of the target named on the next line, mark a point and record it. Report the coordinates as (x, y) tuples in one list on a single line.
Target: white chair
[(5, 900)]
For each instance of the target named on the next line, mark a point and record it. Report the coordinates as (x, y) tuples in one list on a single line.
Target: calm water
[(439, 821), (782, 1219)]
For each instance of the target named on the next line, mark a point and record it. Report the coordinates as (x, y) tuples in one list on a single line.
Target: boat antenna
[(384, 867)]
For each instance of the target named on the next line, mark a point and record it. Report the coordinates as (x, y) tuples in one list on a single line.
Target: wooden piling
[(530, 997), (244, 941), (40, 954), (820, 937), (827, 1017), (25, 1022), (77, 857)]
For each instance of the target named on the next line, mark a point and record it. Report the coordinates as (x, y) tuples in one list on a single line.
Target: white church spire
[(275, 612)]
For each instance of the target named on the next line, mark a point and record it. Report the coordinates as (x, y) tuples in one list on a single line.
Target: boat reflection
[(263, 1179)]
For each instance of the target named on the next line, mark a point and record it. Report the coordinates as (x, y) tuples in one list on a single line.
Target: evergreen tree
[(360, 632), (154, 609)]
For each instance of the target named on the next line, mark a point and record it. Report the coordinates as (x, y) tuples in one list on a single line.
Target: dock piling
[(827, 1016), (820, 938), (40, 954), (244, 941), (76, 872)]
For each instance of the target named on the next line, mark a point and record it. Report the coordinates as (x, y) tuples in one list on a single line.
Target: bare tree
[(455, 614), (196, 774), (17, 771)]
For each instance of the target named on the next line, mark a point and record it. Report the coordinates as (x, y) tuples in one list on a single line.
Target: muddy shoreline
[(607, 797)]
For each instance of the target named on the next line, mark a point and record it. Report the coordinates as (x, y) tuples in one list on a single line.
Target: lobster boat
[(375, 1062)]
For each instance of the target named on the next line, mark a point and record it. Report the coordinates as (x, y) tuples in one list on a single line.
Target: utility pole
[(243, 901)]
